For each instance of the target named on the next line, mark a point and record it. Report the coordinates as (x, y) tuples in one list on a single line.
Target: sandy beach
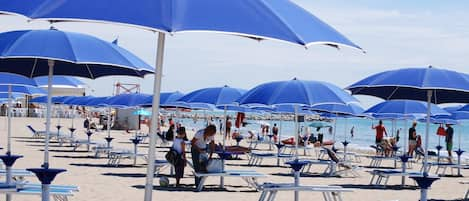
[(98, 182)]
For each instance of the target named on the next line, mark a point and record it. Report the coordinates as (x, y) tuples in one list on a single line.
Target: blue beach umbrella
[(278, 20), (167, 99), (132, 100), (409, 108), (97, 102), (36, 53), (430, 84), (296, 93), (78, 100)]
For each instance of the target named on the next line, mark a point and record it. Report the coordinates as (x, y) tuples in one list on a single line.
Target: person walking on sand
[(449, 141), (199, 149)]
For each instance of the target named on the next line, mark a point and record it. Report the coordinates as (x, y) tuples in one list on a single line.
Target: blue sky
[(395, 34)]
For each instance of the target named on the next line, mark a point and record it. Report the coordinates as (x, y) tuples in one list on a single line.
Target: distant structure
[(125, 119)]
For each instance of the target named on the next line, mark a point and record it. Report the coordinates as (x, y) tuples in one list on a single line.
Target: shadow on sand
[(376, 187), (105, 165)]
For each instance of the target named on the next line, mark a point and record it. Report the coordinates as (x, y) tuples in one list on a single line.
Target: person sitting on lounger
[(233, 149)]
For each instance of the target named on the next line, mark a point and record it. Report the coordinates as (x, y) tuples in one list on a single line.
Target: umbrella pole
[(423, 191), (155, 117), (223, 130), (404, 155), (297, 174), (8, 168), (345, 140), (9, 121), (279, 139)]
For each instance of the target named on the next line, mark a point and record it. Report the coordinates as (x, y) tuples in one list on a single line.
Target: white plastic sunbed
[(256, 158), (330, 193), (58, 192), (250, 177), (381, 177)]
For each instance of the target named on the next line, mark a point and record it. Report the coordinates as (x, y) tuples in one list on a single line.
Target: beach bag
[(172, 156), (441, 131), (215, 166)]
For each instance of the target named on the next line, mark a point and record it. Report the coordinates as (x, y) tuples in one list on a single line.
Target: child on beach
[(180, 146)]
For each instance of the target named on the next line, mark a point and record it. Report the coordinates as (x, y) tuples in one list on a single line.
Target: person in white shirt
[(180, 147), (199, 148)]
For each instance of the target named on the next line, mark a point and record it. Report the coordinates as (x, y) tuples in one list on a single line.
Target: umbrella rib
[(393, 92), (89, 71), (34, 68)]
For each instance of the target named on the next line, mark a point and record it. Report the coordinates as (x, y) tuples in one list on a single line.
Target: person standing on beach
[(228, 125), (180, 146), (275, 132), (199, 149), (449, 141), (380, 132), (412, 139)]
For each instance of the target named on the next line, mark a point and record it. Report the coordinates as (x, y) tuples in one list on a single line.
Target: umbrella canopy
[(16, 80), (58, 80), (166, 99), (413, 83), (78, 100), (279, 20), (97, 102), (404, 108), (126, 100), (24, 90), (55, 99), (217, 96), (296, 92), (27, 53), (349, 109), (452, 109)]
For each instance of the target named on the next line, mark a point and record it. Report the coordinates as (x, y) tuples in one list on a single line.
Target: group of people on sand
[(415, 140)]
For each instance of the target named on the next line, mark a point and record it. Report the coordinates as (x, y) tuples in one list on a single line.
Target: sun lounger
[(37, 134), (330, 193), (78, 143), (116, 156), (381, 177), (340, 168), (58, 192), (310, 163), (250, 177), (442, 167), (256, 158)]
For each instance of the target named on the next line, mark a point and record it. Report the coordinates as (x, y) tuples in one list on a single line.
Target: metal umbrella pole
[(155, 117)]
